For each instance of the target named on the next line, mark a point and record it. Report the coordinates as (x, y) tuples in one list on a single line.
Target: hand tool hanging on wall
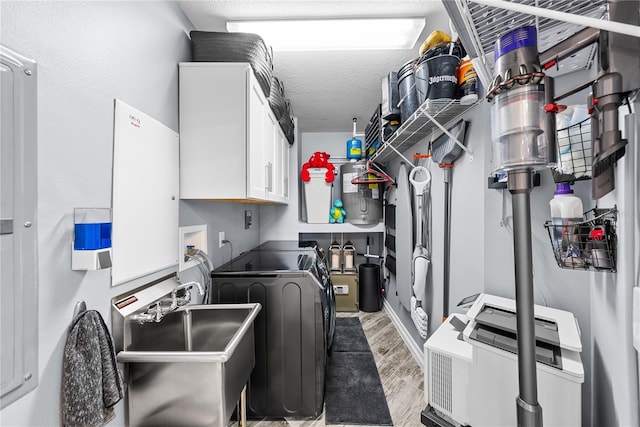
[(444, 152), (420, 178)]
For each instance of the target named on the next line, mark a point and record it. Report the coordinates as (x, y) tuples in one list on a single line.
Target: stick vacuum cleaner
[(420, 179), (523, 138)]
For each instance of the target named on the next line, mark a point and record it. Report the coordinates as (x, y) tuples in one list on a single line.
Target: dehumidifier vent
[(441, 393)]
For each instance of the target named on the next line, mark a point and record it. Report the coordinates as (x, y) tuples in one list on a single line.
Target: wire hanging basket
[(586, 245)]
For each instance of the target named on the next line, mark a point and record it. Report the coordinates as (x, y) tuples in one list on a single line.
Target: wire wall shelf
[(492, 22), (588, 245), (420, 126), (486, 23)]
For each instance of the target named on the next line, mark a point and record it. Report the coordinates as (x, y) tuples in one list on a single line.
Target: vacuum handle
[(419, 186)]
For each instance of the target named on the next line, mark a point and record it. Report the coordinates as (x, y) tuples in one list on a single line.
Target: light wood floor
[(401, 377)]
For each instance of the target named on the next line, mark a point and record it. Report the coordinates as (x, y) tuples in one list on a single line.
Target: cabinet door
[(286, 158), (282, 171), (269, 157), (257, 111)]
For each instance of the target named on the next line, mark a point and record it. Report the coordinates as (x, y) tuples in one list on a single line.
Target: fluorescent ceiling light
[(335, 34)]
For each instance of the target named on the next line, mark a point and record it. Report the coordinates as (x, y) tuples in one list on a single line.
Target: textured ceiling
[(327, 89)]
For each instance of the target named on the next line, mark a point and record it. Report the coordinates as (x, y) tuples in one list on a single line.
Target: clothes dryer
[(293, 331)]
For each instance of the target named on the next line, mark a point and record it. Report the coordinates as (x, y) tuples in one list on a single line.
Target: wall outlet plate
[(220, 239), (248, 219)]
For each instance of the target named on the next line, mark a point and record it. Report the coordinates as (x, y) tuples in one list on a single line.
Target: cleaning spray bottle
[(566, 210)]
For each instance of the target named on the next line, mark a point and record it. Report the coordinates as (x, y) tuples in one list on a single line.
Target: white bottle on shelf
[(566, 210)]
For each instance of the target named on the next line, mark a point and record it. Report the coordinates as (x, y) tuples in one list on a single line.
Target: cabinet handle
[(266, 177), (286, 187), (269, 176)]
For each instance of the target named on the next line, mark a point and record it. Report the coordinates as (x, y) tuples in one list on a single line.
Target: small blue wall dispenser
[(91, 246)]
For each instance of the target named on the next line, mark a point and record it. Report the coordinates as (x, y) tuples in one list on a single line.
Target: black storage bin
[(214, 46), (287, 123), (277, 102), (369, 292)]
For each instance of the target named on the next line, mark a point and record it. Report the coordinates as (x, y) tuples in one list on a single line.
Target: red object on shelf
[(319, 159)]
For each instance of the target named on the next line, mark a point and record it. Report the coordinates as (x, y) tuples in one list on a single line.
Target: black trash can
[(369, 290)]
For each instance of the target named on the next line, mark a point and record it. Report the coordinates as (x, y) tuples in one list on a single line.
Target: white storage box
[(317, 196)]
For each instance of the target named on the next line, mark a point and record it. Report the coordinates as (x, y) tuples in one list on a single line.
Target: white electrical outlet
[(220, 239)]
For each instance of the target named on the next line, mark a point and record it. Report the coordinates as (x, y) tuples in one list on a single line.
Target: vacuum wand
[(529, 411)]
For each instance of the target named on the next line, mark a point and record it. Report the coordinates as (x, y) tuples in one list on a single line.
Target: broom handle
[(447, 240)]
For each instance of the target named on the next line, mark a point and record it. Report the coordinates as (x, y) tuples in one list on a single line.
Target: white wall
[(227, 217), (88, 53)]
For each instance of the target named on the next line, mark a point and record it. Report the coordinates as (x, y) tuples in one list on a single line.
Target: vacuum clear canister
[(517, 97), (517, 125)]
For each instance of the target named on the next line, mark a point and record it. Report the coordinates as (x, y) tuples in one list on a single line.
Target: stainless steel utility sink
[(190, 367)]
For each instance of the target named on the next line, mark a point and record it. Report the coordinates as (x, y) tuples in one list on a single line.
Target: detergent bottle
[(566, 213)]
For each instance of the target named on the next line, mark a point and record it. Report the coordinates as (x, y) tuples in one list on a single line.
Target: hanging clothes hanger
[(371, 176)]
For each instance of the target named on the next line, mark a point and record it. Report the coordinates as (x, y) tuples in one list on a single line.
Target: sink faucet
[(153, 314), (156, 312), (175, 302), (189, 285)]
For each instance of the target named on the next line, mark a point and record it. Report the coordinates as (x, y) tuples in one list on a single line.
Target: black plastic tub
[(407, 90)]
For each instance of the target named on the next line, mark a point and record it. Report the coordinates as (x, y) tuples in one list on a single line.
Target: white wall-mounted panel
[(18, 225), (145, 195)]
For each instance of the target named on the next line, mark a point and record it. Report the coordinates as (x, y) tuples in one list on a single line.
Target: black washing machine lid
[(269, 261)]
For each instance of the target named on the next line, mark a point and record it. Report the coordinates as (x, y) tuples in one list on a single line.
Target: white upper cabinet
[(229, 137)]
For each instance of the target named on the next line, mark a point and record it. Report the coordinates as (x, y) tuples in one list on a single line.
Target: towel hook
[(80, 307)]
